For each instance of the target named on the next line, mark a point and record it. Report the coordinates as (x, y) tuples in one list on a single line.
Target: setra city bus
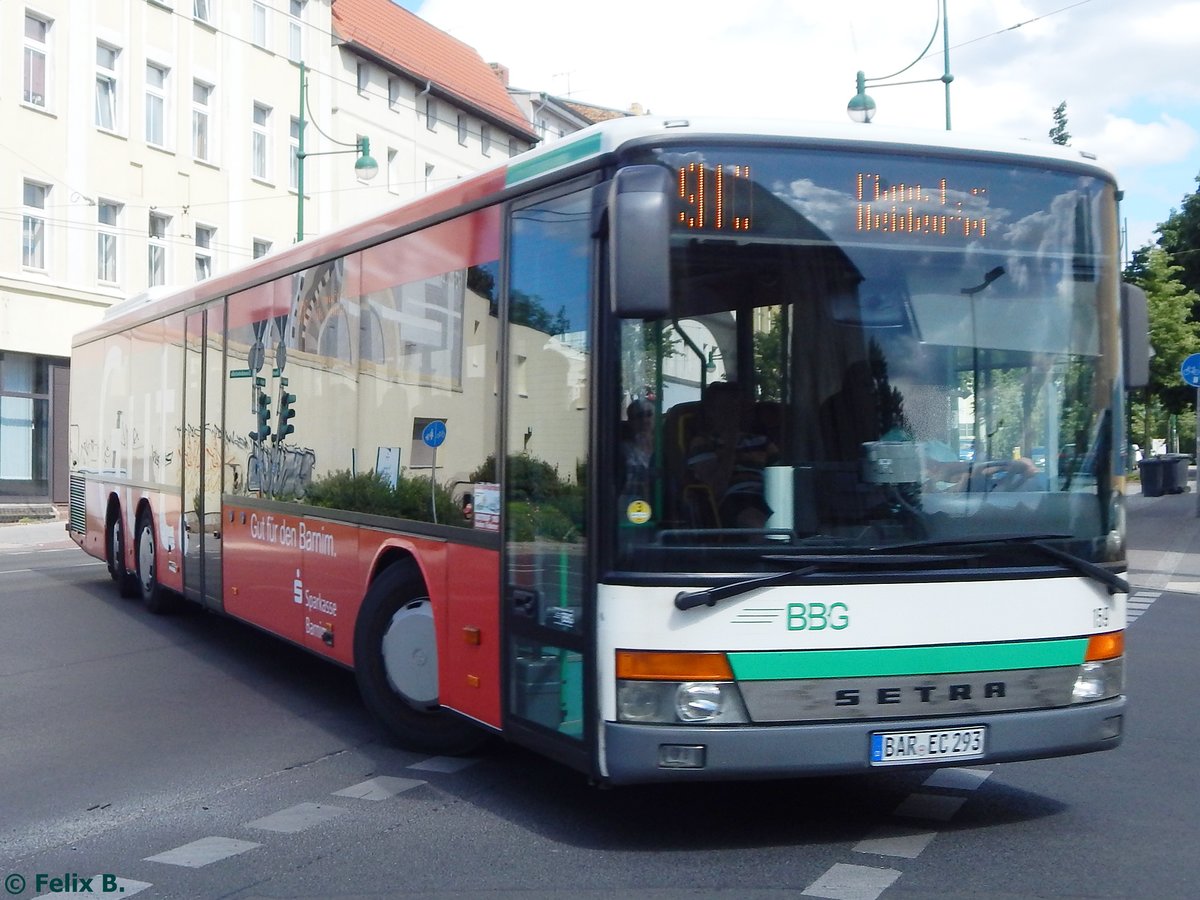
[(673, 450)]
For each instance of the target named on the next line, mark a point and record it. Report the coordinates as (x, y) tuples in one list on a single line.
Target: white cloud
[(1126, 143), (1126, 73)]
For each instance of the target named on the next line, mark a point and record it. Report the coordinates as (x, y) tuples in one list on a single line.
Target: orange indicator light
[(664, 665), (1105, 646)]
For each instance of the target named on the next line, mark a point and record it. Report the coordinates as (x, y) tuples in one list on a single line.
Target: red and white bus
[(673, 450)]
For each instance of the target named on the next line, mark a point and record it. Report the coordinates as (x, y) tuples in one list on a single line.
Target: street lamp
[(365, 167), (861, 107)]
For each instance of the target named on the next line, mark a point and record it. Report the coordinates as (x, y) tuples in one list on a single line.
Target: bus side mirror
[(1135, 336), (640, 242)]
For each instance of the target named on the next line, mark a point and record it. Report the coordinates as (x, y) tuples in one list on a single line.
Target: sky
[(1127, 71)]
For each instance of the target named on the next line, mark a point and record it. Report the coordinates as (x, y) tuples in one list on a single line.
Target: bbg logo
[(817, 616)]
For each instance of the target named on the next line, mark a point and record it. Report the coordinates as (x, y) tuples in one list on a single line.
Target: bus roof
[(573, 152)]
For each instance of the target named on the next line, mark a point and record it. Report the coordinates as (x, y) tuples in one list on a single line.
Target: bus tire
[(396, 621), (114, 552), (154, 597)]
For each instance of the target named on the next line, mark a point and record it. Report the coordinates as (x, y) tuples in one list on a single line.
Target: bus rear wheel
[(153, 595), (395, 662)]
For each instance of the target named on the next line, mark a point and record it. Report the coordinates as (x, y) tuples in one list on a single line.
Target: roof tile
[(428, 54)]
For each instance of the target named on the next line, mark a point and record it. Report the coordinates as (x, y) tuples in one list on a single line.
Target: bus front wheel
[(395, 662)]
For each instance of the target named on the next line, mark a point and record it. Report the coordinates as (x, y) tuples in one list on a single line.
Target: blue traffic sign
[(434, 434), (1190, 370)]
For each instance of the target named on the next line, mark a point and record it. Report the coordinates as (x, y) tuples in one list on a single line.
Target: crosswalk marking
[(1138, 603), (382, 787), (203, 852), (846, 882), (297, 818)]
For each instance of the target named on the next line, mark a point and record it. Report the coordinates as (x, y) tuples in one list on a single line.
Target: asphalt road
[(190, 756)]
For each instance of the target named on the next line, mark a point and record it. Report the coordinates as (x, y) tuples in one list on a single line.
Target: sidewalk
[(26, 535), (1163, 541)]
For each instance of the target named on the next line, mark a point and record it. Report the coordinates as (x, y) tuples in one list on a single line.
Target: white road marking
[(895, 840), (958, 779), (202, 852), (929, 806), (846, 882), (296, 818), (445, 764), (1139, 603), (382, 787), (1184, 587)]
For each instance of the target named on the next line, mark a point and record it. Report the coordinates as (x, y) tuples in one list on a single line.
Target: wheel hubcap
[(146, 559)]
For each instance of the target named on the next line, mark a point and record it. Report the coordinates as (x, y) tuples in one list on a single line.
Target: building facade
[(154, 143)]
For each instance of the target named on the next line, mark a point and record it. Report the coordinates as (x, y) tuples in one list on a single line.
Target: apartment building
[(153, 143)]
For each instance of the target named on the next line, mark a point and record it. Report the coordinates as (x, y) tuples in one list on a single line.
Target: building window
[(430, 113), (37, 44), (33, 228), (106, 86), (428, 174), (201, 95), (260, 248), (485, 140), (260, 141), (462, 129), (202, 10), (364, 77), (294, 156), (157, 256), (394, 93), (204, 244), (393, 170), (513, 149), (295, 30), (156, 104), (108, 215), (258, 24), (24, 424)]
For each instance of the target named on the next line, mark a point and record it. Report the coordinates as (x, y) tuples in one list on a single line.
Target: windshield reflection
[(834, 377)]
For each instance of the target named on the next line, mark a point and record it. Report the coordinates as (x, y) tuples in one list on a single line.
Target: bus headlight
[(698, 701), (668, 687), (1099, 680), (673, 703), (1102, 674)]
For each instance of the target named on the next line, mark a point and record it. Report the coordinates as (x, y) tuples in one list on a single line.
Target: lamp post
[(365, 167), (861, 107)]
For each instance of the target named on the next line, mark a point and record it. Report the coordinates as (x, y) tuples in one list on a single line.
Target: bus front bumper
[(654, 753)]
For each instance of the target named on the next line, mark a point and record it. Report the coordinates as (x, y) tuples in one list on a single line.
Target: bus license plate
[(898, 748)]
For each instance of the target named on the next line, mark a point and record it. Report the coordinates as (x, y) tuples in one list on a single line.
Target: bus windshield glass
[(868, 350)]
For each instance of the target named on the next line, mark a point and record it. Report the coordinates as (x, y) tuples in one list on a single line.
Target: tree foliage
[(1179, 236), (1059, 133)]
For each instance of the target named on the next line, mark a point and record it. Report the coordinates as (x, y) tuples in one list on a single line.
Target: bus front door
[(545, 565)]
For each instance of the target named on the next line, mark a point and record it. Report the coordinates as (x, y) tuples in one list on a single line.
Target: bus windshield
[(868, 350)]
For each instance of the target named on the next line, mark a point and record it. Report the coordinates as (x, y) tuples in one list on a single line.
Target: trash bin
[(1175, 473), (1152, 476)]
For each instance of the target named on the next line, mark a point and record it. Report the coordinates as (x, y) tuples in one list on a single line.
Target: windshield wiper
[(710, 596), (1115, 583), (892, 554)]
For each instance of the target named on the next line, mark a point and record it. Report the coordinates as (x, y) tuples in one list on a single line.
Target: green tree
[(1059, 133), (1174, 334), (1179, 236)]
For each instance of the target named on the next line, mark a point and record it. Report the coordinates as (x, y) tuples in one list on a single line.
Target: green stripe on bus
[(774, 665), (559, 156)]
